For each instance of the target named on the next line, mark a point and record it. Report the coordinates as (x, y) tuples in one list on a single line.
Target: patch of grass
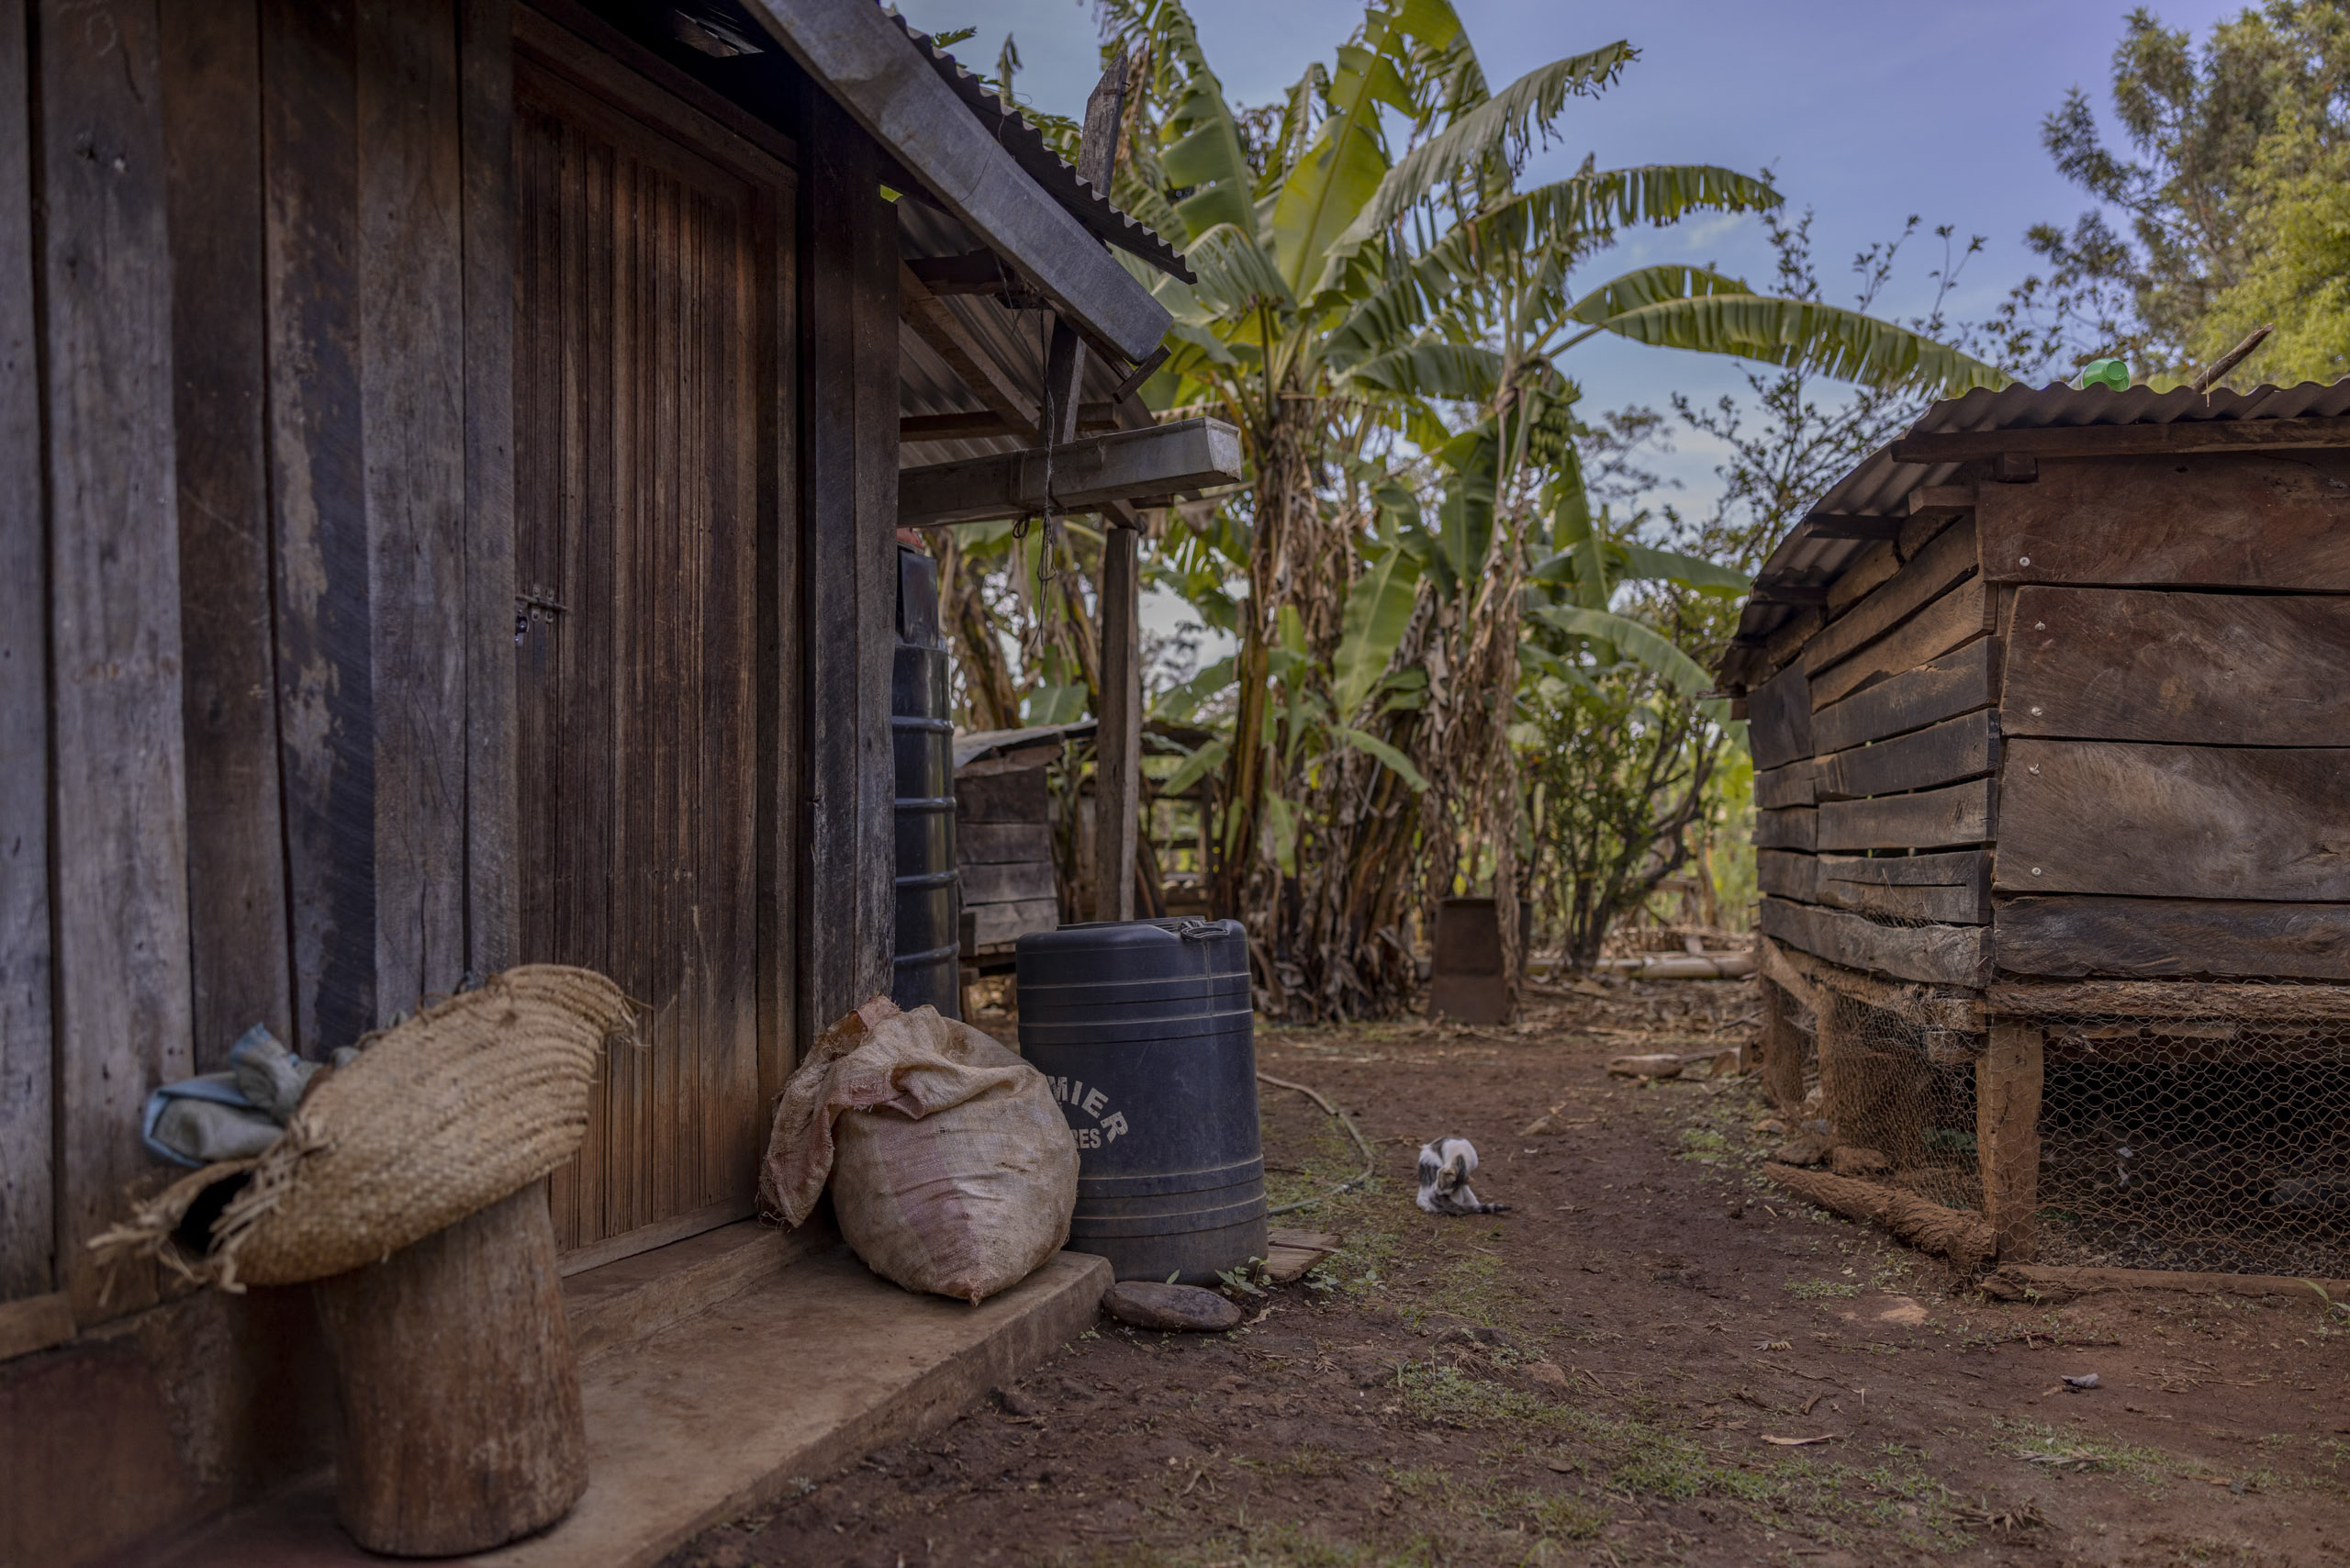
[(1706, 1145), (1641, 1453), (2040, 1444), (1819, 1290)]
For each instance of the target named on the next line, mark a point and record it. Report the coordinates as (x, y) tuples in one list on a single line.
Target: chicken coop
[(2050, 707)]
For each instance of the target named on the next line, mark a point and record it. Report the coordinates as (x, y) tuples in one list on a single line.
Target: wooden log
[(2268, 520), (1953, 888), (1964, 612), (1937, 568), (1930, 818), (1793, 828), (2132, 664), (1778, 715), (989, 844), (2044, 1283), (2007, 1135), (460, 1397), (1789, 786), (27, 1198), (2112, 817), (1003, 798), (1787, 875), (1934, 955), (1961, 1237), (118, 914), (1955, 683), (1954, 749), (2145, 938)]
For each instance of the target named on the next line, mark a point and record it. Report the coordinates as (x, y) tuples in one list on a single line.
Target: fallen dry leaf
[(1800, 1442)]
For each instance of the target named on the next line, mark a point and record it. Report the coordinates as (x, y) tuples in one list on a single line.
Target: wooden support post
[(2007, 1135), (1782, 1050), (461, 1418), (1117, 742)]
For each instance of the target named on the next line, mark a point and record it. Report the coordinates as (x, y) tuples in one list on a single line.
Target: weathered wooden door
[(649, 402)]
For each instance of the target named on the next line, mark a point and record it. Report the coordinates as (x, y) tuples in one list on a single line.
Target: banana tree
[(1372, 278)]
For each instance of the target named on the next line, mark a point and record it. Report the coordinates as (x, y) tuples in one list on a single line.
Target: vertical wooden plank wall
[(485, 60), (121, 909), (236, 871), (27, 1196), (849, 518), (782, 759), (412, 398), (325, 674)]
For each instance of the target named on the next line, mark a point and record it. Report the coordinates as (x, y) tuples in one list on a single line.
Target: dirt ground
[(1654, 1357)]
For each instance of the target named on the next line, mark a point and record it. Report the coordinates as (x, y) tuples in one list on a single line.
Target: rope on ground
[(1370, 1161)]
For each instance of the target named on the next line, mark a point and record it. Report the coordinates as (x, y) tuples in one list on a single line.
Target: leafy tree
[(2227, 145)]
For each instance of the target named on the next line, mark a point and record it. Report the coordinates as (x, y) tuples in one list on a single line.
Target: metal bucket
[(1145, 1029), (921, 735)]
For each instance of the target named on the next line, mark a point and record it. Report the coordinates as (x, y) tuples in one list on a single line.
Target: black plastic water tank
[(922, 736), (1145, 1030)]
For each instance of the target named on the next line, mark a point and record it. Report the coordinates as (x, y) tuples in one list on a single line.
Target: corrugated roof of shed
[(1880, 486)]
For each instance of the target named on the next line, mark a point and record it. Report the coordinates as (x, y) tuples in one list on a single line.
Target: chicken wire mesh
[(2219, 1143), (2210, 1144)]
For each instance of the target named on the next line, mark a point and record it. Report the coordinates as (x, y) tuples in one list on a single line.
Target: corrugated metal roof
[(1014, 340), (1035, 157), (1810, 558)]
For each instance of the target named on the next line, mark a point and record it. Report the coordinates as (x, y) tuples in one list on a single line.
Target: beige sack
[(952, 1170)]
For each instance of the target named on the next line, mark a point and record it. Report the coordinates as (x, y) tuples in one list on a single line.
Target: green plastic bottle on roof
[(2110, 373)]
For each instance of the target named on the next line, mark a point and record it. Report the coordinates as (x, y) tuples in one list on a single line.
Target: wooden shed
[(2050, 706), (449, 475)]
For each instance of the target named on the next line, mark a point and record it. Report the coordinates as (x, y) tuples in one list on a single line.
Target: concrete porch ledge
[(704, 1418)]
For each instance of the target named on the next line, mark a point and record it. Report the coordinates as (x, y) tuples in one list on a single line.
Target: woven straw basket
[(436, 1119)]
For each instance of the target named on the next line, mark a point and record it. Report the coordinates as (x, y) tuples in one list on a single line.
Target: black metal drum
[(1145, 1028), (922, 736)]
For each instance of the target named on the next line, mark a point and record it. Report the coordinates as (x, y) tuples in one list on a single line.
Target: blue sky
[(1869, 110)]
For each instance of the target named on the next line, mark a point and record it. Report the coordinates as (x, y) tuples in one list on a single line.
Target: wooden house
[(2050, 707), (450, 465)]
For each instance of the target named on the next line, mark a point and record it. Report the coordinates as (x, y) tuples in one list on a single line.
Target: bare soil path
[(1653, 1358)]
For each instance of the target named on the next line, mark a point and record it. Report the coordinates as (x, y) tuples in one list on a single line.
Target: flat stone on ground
[(1178, 1308)]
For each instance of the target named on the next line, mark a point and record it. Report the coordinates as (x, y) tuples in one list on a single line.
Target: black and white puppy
[(1446, 1166)]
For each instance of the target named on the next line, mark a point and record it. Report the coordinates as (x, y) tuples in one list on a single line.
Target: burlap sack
[(952, 1170)]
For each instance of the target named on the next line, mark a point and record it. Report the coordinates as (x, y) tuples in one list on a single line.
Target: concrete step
[(804, 1371)]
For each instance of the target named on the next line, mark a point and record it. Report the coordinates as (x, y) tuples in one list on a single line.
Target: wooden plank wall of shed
[(1877, 736), (2179, 656), (265, 706)]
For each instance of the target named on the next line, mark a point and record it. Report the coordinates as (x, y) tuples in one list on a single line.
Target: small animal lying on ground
[(1446, 1166)]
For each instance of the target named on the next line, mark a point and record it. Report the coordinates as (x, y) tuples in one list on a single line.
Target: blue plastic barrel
[(1145, 1030)]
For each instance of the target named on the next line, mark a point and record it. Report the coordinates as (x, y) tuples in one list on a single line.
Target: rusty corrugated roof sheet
[(1041, 163), (1810, 558)]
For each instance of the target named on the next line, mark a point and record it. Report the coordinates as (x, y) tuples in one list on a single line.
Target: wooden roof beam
[(978, 424), (1088, 475), (859, 56), (2123, 441), (936, 324)]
